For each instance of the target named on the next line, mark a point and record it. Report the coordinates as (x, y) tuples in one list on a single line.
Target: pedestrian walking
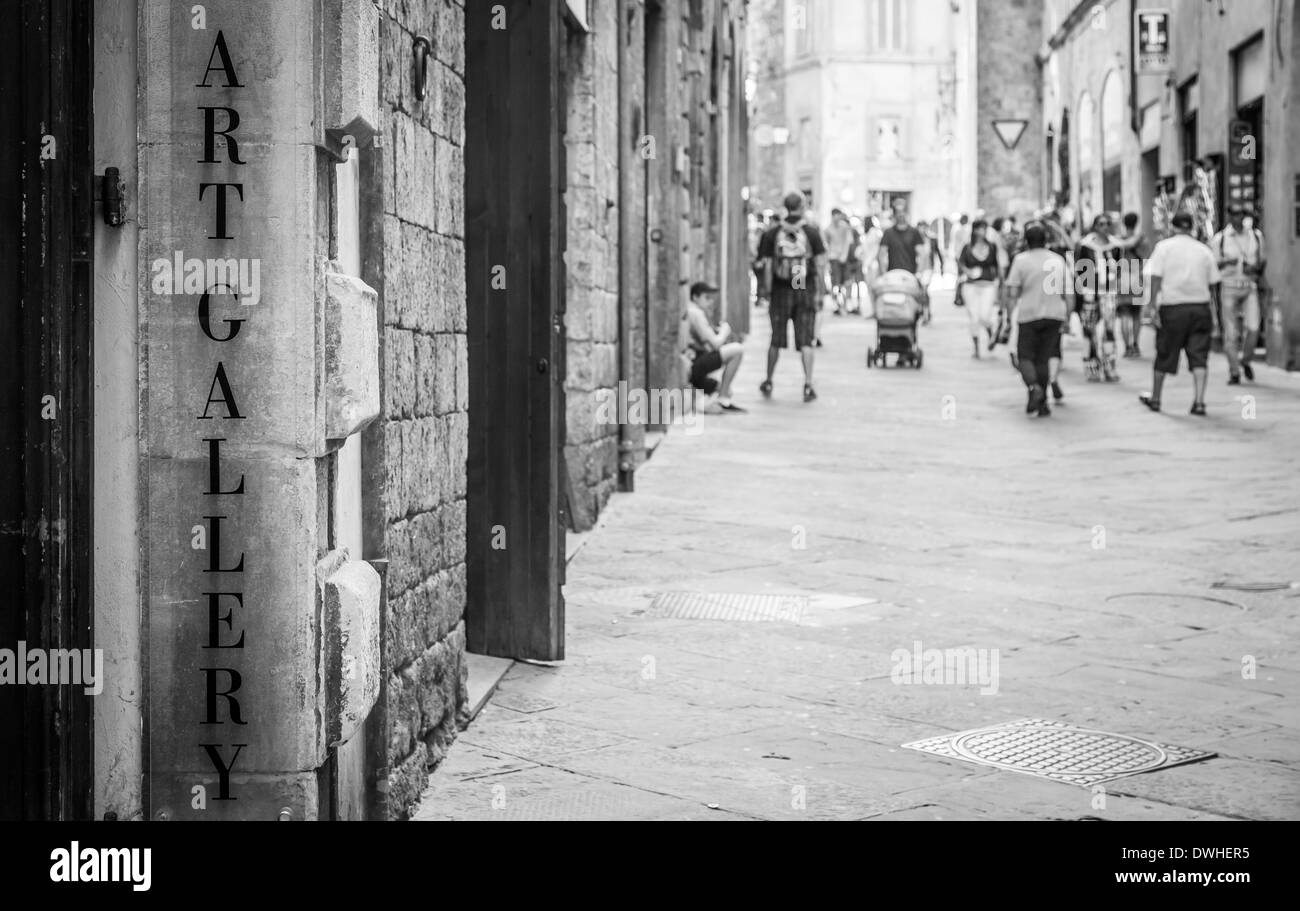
[(1134, 251), (1097, 255), (904, 247), (869, 255), (712, 350), (1036, 291), (1239, 252), (839, 248), (856, 275), (1184, 280), (960, 237), (979, 273), (795, 254)]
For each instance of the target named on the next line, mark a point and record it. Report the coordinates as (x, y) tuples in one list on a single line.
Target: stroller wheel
[(920, 357), (871, 357)]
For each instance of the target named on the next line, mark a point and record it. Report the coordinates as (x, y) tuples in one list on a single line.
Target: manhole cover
[(1058, 751), (736, 607)]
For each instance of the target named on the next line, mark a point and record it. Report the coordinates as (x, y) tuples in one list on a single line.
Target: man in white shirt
[(1184, 280), (1037, 284), (1240, 255)]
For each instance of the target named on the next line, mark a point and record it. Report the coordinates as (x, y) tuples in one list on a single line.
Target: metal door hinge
[(112, 193)]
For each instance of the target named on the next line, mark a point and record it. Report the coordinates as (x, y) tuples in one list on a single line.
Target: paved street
[(920, 507)]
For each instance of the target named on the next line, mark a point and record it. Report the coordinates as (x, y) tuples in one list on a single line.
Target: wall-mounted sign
[(1151, 31), (1010, 131), (1243, 163)]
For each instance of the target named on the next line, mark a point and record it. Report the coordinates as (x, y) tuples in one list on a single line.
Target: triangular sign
[(1010, 131)]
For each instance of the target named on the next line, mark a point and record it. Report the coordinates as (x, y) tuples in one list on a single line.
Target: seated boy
[(712, 351)]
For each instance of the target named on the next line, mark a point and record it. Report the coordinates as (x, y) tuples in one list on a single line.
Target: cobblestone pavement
[(1095, 551)]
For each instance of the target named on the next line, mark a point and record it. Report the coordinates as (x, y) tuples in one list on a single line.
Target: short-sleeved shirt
[(767, 248), (1042, 278), (902, 244), (1186, 269), (697, 326), (988, 266), (839, 241), (1243, 247)]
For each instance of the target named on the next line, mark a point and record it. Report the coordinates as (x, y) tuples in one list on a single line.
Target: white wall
[(118, 709)]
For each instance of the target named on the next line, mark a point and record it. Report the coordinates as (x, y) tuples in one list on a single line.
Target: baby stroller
[(898, 300)]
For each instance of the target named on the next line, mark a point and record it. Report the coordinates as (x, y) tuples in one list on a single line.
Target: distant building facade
[(1217, 124), (860, 102)]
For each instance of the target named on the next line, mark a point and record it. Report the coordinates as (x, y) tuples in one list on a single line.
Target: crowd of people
[(1024, 289)]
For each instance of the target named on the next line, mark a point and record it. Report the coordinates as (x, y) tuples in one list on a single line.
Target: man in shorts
[(794, 255), (712, 350), (1184, 280), (1037, 288)]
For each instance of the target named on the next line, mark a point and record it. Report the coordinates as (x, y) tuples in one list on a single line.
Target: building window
[(887, 25), (801, 23), (1086, 132), (889, 138), (1189, 102), (805, 139)]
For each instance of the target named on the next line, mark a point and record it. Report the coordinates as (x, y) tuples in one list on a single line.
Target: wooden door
[(514, 249), (46, 207)]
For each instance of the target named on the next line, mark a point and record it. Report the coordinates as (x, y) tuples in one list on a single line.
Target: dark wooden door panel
[(514, 232)]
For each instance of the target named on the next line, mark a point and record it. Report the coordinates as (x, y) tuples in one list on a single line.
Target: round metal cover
[(1067, 751)]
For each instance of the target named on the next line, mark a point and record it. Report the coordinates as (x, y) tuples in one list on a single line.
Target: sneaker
[(809, 394), (1234, 380), (1146, 399), (766, 389), (1198, 409), (1056, 391), (732, 408), (1037, 400), (1044, 411), (1249, 371)]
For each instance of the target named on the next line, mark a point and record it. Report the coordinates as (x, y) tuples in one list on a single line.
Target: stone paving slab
[(1084, 548)]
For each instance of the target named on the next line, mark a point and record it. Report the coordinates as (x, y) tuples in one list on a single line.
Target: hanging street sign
[(1010, 131), (1151, 28)]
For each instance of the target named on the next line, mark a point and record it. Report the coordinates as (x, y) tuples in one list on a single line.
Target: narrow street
[(919, 507)]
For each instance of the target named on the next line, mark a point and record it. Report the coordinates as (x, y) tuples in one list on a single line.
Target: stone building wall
[(1009, 87), (415, 258), (592, 261), (766, 52)]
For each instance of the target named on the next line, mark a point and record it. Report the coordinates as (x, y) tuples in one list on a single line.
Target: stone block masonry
[(592, 260), (1010, 181), (416, 452)]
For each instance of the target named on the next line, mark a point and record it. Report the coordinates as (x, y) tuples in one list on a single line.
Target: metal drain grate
[(1058, 751), (1254, 586), (735, 607)]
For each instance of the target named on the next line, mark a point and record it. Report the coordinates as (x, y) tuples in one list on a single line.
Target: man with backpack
[(795, 260), (1240, 255)]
